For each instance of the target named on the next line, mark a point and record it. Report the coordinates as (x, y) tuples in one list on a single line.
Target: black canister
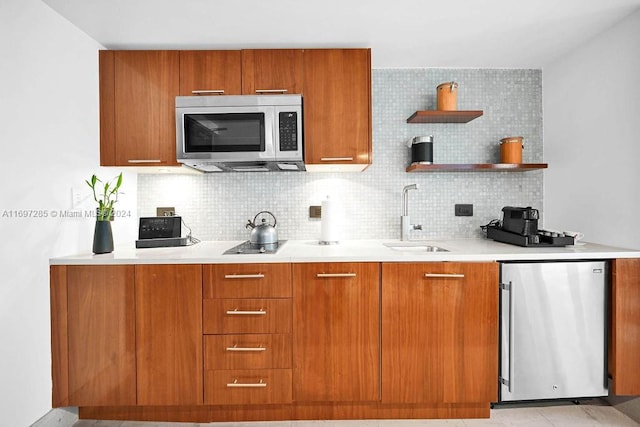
[(422, 150)]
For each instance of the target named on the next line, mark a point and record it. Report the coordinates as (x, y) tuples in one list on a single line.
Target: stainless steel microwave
[(240, 133)]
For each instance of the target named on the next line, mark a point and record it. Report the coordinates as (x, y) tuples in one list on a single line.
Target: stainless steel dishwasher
[(553, 330)]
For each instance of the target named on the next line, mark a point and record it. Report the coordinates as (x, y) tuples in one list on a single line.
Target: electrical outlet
[(464, 210), (315, 211), (168, 211), (81, 198)]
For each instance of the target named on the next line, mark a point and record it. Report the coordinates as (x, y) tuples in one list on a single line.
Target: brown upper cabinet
[(337, 107), (137, 107), (272, 71), (210, 72), (138, 90)]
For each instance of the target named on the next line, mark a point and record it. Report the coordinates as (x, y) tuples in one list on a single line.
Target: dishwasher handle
[(508, 287)]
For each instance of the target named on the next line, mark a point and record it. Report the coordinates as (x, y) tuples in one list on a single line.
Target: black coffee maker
[(519, 226)]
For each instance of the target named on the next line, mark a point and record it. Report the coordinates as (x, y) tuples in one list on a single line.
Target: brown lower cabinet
[(439, 332), (126, 335), (336, 338), (94, 356), (169, 334), (624, 327), (250, 342)]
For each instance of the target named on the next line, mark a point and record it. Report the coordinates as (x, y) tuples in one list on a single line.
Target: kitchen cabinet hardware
[(244, 276), (336, 159), (235, 348), (443, 275), (439, 116), (271, 91), (208, 92), (236, 311), (325, 275), (480, 167), (235, 383), (144, 161)]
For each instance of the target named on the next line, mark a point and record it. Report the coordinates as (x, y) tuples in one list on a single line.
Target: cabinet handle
[(336, 275), (205, 92), (236, 348), (271, 90), (336, 159), (260, 312), (144, 161), (444, 275), (244, 276), (235, 383)]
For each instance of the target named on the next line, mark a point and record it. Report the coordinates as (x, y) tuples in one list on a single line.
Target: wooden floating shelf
[(482, 167), (437, 116)]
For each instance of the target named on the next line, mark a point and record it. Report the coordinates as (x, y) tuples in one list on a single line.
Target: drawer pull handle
[(244, 276), (444, 275), (235, 311), (144, 161), (204, 92), (271, 90), (336, 275), (235, 383), (336, 159), (236, 348)]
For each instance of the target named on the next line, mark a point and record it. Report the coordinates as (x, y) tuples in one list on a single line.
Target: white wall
[(592, 144), (49, 133), (592, 137)]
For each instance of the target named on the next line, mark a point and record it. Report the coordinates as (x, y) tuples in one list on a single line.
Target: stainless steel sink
[(414, 247)]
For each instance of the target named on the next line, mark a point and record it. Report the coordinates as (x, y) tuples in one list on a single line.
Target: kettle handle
[(253, 224)]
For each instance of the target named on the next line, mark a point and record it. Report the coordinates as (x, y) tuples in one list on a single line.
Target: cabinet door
[(272, 71), (624, 334), (137, 107), (101, 346), (439, 332), (337, 106), (209, 72), (336, 340), (169, 334)]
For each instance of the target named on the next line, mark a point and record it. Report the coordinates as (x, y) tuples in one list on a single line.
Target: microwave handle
[(271, 90), (208, 92)]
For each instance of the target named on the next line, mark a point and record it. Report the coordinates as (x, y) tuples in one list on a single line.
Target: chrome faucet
[(405, 222)]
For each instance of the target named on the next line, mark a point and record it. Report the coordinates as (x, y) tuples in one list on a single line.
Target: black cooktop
[(252, 248)]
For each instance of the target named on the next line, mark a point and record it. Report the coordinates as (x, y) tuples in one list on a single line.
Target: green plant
[(108, 197)]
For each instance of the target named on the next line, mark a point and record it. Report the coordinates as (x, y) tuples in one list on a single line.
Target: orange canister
[(511, 149), (447, 96)]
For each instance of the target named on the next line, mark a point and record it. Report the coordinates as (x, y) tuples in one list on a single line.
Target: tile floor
[(592, 413)]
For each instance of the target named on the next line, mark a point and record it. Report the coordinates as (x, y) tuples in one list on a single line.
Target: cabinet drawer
[(247, 316), (247, 281), (253, 386), (250, 351)]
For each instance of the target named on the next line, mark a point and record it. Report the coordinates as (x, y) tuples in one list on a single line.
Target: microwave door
[(238, 134)]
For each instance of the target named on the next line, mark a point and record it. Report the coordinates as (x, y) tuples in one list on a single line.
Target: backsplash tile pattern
[(217, 206)]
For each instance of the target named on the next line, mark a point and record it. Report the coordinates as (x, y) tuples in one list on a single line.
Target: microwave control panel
[(288, 128)]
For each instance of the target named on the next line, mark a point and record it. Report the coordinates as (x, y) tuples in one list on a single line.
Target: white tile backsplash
[(217, 206)]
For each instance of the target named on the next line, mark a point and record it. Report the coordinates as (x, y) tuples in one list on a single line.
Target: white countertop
[(211, 252)]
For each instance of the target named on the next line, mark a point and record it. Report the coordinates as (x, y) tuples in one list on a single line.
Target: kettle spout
[(249, 225)]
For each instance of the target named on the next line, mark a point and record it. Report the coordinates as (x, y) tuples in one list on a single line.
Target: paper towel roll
[(330, 229)]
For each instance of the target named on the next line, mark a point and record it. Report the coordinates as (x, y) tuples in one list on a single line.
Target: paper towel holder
[(324, 218)]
